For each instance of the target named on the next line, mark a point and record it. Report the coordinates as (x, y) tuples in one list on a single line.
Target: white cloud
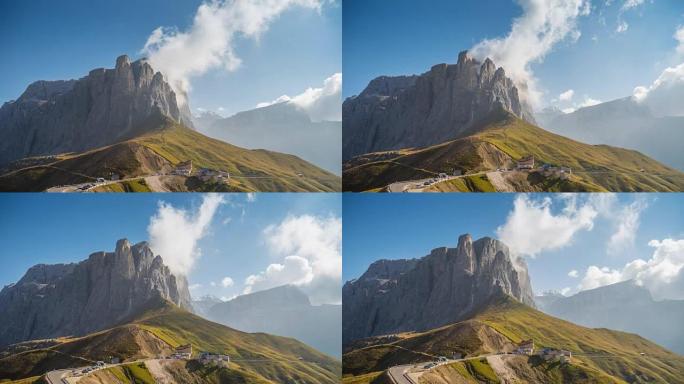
[(532, 227), (209, 42), (626, 6), (662, 274), (294, 270), (251, 197), (309, 250), (679, 36), (281, 99), (664, 95), (227, 282), (543, 24), (174, 232), (629, 4), (573, 273), (213, 283), (567, 95), (565, 291), (596, 277), (587, 102), (193, 287), (321, 104), (622, 27), (628, 219)]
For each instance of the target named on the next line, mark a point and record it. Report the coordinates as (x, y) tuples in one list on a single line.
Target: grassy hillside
[(499, 144), (255, 358), (160, 150), (599, 355)]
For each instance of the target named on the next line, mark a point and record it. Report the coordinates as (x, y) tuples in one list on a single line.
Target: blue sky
[(409, 226), (47, 228), (602, 64), (48, 40)]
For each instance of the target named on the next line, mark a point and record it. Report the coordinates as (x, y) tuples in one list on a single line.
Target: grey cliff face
[(104, 107), (439, 105), (440, 288), (76, 299)]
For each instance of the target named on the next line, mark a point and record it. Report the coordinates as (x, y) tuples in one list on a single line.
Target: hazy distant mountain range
[(624, 123), (283, 311), (623, 306), (281, 127)]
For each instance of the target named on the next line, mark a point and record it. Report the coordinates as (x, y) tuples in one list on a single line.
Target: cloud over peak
[(543, 24), (175, 232), (209, 42)]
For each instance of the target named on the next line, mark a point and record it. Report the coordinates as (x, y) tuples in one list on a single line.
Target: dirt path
[(505, 374), (161, 376), (499, 182), (155, 184)]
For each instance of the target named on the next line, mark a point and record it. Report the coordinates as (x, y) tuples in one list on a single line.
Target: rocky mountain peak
[(99, 292), (122, 62), (445, 103), (102, 108), (443, 287)]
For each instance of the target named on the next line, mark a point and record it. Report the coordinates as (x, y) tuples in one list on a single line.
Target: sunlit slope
[(255, 358), (499, 144), (168, 144), (601, 354)]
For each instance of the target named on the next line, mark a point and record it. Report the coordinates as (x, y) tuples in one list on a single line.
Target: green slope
[(166, 144), (499, 143), (255, 358), (601, 355)]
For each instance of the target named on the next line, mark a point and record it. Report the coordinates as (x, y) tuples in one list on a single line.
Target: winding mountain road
[(402, 374)]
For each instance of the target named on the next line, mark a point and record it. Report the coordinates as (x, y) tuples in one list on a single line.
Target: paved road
[(401, 374), (55, 377), (417, 185), (398, 374)]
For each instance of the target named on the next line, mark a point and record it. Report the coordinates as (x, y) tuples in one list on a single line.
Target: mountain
[(446, 286), (598, 355), (102, 108), (625, 123), (544, 300), (76, 299), (125, 124), (442, 104), (546, 115), (628, 307), (499, 143), (284, 311), (149, 159), (281, 127), (202, 305), (154, 332), (205, 119)]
